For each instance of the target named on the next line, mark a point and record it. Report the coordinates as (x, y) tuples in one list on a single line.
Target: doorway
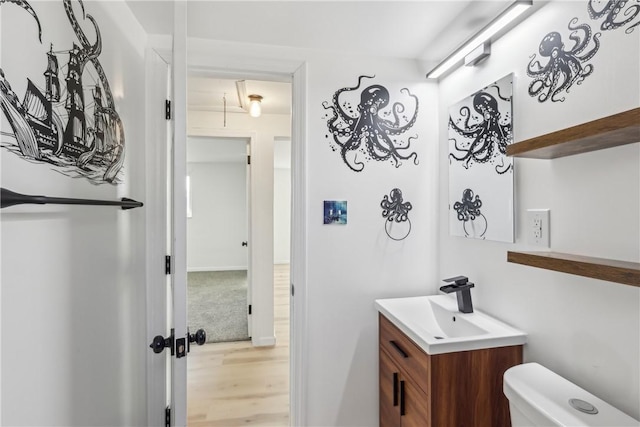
[(217, 237), (247, 382)]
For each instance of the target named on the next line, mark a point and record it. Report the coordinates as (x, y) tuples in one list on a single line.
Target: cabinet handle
[(395, 389), (399, 349), (402, 411)]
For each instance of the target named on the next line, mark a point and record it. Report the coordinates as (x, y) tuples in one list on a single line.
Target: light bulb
[(255, 107)]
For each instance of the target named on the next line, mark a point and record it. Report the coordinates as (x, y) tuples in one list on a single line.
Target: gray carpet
[(218, 304)]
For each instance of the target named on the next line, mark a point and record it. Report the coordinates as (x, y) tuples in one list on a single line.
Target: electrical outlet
[(538, 227)]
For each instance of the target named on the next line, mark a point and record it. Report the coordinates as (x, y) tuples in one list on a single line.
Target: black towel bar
[(10, 198)]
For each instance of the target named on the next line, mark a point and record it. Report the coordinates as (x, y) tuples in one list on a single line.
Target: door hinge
[(248, 160), (167, 264), (167, 416), (292, 290), (249, 308), (167, 109)]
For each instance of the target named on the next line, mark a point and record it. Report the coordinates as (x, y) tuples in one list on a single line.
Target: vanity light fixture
[(516, 9), (255, 107)]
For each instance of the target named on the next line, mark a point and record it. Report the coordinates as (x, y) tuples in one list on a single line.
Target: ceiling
[(208, 93), (423, 30)]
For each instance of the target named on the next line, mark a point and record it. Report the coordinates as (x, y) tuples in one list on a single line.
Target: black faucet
[(461, 286)]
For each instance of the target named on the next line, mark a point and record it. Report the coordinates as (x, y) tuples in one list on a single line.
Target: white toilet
[(540, 397)]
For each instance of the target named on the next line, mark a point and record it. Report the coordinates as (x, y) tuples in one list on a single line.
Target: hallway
[(235, 384)]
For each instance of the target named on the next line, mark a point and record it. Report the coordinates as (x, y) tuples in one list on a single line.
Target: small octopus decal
[(486, 140), (394, 209), (612, 11), (473, 221), (565, 67), (369, 129)]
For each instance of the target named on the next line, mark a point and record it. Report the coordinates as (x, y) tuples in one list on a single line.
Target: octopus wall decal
[(396, 210), (468, 211), (484, 139), (565, 67), (617, 14), (370, 130)]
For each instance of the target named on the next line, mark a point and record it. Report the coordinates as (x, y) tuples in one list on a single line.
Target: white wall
[(351, 266), (586, 330), (73, 278), (218, 226)]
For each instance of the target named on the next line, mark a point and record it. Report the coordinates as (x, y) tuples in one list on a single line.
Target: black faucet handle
[(458, 280)]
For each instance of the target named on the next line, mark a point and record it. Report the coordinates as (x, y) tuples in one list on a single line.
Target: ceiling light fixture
[(255, 107), (516, 9)]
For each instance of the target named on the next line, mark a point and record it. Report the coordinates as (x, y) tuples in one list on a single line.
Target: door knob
[(200, 337), (159, 343), (245, 243)]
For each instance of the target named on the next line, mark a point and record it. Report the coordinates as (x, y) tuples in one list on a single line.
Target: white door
[(158, 284), (248, 221), (167, 304)]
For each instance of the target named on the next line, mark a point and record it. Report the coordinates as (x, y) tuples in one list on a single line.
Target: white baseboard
[(226, 268), (263, 341), (282, 262)]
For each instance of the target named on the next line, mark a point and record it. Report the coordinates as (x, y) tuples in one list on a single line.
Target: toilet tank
[(540, 397)]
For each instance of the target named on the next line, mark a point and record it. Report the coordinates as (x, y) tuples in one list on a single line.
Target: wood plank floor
[(235, 384)]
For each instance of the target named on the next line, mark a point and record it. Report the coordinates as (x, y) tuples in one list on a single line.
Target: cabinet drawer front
[(405, 353)]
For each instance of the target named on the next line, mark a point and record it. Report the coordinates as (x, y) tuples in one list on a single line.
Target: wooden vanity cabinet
[(461, 389)]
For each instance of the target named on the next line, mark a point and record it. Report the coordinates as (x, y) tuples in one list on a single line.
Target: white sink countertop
[(435, 324)]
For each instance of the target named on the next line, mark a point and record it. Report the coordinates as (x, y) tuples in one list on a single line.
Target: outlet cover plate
[(537, 227)]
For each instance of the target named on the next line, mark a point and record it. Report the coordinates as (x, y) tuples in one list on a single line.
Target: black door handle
[(395, 389), (200, 337), (402, 404), (245, 243), (399, 349), (159, 343)]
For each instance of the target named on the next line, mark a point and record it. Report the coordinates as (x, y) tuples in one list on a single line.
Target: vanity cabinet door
[(413, 404), (389, 377), (402, 403), (404, 377)]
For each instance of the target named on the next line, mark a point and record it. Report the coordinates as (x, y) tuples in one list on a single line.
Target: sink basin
[(436, 325)]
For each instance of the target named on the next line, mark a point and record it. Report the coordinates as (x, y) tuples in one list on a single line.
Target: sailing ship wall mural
[(67, 117)]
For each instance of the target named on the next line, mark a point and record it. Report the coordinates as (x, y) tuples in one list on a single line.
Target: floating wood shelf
[(624, 272), (618, 129)]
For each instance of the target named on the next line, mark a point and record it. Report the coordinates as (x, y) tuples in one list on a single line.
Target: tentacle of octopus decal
[(468, 211), (565, 66), (26, 6), (55, 123), (616, 14), (395, 211), (372, 129), (480, 129)]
